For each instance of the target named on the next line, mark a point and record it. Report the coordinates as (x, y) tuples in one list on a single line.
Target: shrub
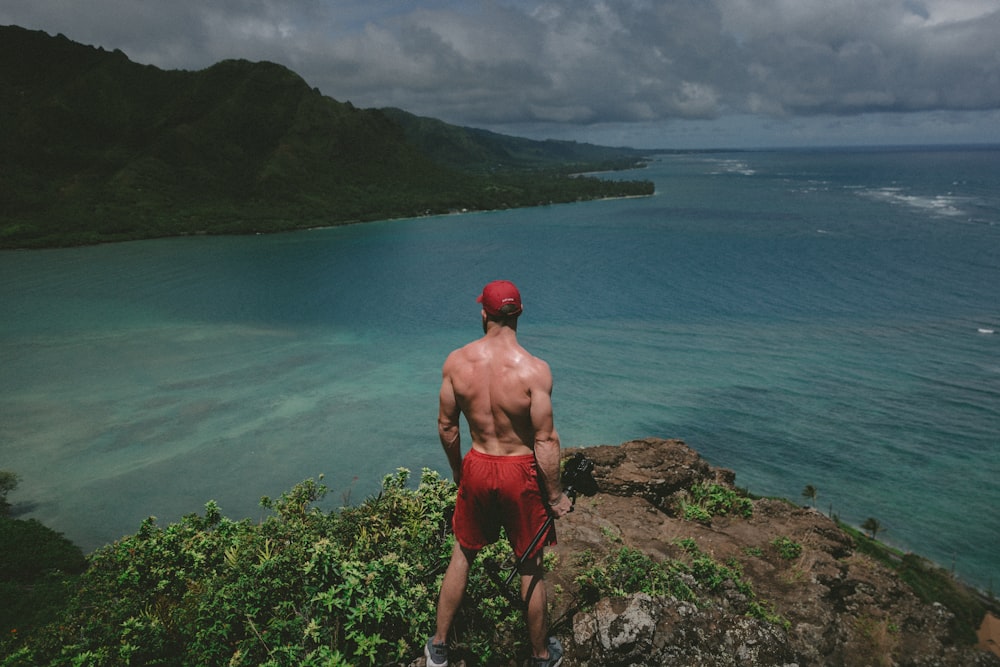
[(708, 500), (787, 548), (625, 570), (30, 551), (353, 587), (38, 568)]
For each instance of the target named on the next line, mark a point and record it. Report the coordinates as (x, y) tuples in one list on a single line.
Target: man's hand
[(562, 506)]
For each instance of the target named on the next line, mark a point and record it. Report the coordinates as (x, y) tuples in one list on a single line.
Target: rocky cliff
[(828, 602)]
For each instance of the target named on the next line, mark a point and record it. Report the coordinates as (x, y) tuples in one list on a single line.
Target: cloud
[(497, 62), (814, 57)]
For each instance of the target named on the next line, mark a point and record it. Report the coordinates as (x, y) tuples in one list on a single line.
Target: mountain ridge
[(99, 148)]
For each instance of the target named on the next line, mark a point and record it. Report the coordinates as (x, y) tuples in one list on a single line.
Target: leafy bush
[(713, 576), (624, 571), (708, 500), (30, 551), (38, 568), (357, 586), (491, 626), (787, 548)]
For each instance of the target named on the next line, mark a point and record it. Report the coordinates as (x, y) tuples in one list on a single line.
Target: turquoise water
[(801, 317)]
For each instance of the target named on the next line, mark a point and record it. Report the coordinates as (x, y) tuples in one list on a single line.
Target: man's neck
[(498, 330)]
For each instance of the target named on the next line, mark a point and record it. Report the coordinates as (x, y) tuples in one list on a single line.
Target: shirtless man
[(510, 476)]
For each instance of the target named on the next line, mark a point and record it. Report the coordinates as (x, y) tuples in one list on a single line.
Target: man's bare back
[(505, 394), (498, 386)]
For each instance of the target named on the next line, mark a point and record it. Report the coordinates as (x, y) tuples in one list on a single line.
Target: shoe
[(436, 654), (555, 655)]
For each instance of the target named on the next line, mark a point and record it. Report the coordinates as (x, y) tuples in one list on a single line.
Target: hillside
[(664, 561), (484, 151), (98, 148), (778, 584)]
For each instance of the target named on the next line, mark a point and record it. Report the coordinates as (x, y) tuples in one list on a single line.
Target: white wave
[(810, 187), (947, 205), (732, 167), (985, 331)]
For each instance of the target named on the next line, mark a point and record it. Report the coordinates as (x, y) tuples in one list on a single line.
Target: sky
[(641, 73)]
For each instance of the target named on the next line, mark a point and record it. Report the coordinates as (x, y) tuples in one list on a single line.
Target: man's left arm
[(448, 426)]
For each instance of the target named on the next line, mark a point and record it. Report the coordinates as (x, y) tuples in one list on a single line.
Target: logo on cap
[(501, 297)]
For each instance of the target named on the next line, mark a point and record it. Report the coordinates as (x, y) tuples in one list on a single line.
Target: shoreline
[(306, 228)]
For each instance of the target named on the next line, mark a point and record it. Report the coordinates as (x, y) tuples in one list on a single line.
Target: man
[(510, 476)]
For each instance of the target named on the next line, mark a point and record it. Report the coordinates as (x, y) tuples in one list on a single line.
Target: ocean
[(814, 317)]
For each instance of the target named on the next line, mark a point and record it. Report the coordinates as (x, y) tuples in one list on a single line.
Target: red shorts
[(500, 491)]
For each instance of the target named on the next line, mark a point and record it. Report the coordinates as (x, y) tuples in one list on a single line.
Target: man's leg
[(533, 594), (452, 590)]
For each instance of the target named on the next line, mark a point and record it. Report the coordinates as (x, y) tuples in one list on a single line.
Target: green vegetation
[(97, 148), (353, 586), (691, 577), (8, 482), (930, 583), (475, 150), (873, 526), (625, 570), (705, 501), (810, 493), (787, 548), (38, 571), (357, 586)]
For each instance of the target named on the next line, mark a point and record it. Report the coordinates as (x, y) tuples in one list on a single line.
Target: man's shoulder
[(466, 349), (462, 354), (541, 368), (536, 362)]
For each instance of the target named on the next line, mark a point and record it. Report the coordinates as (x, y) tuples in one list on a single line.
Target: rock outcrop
[(829, 603)]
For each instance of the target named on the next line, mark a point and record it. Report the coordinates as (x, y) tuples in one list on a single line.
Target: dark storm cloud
[(568, 61), (582, 63), (853, 57)]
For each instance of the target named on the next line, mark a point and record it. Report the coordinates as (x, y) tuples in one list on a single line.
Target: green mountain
[(96, 148), (484, 151)]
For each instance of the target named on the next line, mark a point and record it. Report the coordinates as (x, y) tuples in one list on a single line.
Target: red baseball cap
[(498, 294)]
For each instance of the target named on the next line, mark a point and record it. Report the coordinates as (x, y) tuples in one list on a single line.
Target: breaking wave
[(946, 205)]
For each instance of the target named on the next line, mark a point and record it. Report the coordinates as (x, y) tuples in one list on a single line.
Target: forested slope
[(97, 148)]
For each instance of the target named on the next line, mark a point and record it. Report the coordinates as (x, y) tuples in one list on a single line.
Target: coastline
[(287, 229)]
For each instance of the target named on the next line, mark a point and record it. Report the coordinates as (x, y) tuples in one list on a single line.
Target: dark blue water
[(805, 318)]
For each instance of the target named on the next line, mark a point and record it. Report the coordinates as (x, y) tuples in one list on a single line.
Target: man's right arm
[(547, 446)]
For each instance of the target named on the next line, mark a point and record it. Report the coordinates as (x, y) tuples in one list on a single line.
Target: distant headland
[(100, 149)]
